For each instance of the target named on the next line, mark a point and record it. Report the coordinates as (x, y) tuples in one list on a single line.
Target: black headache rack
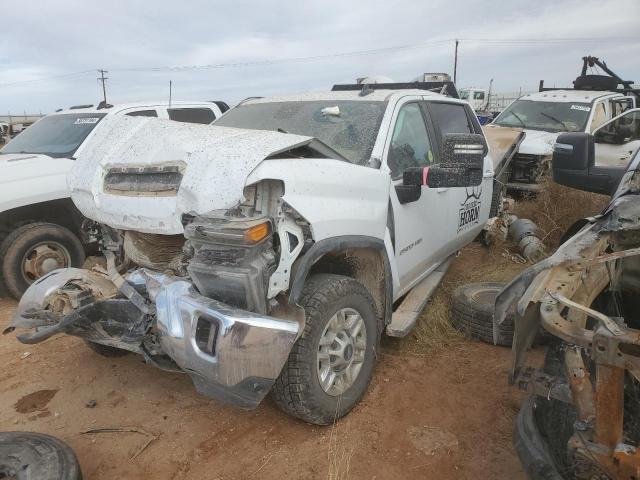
[(607, 83), (444, 88)]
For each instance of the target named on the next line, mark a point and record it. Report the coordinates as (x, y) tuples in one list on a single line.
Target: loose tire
[(33, 250), (338, 308), (595, 82), (472, 312), (27, 455), (106, 350)]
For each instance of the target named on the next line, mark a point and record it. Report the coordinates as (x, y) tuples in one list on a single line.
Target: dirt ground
[(441, 413)]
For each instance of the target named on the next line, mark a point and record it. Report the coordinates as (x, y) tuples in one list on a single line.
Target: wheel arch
[(60, 211), (362, 258)]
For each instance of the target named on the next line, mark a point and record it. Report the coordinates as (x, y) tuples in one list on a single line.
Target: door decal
[(469, 213)]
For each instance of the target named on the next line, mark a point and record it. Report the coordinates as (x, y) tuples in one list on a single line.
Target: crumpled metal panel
[(218, 161)]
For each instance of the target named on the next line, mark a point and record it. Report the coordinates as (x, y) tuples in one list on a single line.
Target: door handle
[(442, 189)]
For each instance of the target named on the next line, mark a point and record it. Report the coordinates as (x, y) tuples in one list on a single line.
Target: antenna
[(103, 79), (170, 85), (455, 64)]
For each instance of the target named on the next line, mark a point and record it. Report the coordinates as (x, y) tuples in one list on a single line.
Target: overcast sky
[(53, 38)]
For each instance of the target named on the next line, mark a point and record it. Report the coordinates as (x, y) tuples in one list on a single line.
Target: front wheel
[(331, 364), (33, 250)]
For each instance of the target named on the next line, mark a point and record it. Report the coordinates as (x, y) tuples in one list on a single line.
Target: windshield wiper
[(555, 120), (519, 119)]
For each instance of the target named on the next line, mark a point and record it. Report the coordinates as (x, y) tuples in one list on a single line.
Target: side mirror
[(462, 161), (573, 165)]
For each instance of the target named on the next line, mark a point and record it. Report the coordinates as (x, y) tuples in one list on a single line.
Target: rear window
[(192, 115), (143, 113), (451, 118)]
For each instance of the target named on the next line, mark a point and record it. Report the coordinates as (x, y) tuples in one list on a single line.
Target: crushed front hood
[(537, 142), (213, 163)]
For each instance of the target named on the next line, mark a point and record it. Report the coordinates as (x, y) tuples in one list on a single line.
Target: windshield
[(349, 127), (55, 135), (547, 116), (463, 94)]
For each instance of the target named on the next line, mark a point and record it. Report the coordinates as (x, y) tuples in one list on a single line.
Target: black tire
[(472, 312), (297, 391), (595, 82), (106, 350), (28, 455), (554, 418), (22, 240)]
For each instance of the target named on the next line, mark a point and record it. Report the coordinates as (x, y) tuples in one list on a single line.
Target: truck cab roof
[(569, 96), (377, 95)]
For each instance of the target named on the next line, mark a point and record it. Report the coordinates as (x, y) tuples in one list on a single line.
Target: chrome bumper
[(231, 355)]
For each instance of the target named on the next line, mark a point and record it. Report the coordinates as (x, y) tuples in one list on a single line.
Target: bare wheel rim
[(43, 258), (341, 351)]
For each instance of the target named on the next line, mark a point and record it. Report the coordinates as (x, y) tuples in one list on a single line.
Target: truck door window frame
[(430, 137), (471, 119)]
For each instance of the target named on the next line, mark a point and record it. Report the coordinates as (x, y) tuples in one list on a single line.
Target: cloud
[(49, 38)]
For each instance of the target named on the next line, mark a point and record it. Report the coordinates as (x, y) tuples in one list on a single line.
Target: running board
[(406, 315)]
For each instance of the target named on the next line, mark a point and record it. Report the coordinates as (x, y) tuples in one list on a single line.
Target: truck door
[(419, 236), (617, 140), (468, 206)]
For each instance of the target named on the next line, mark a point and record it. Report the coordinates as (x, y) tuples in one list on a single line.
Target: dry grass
[(342, 445), (556, 208)]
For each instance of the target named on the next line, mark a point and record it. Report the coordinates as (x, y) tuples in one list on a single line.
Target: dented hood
[(115, 179)]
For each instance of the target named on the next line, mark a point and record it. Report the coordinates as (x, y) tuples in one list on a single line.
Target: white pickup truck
[(40, 228), (545, 115), (266, 252)]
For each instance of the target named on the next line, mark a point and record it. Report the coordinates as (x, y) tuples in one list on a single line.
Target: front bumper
[(231, 355)]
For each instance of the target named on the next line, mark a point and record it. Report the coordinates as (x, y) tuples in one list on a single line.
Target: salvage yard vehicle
[(583, 420), (594, 101), (40, 228), (266, 252)]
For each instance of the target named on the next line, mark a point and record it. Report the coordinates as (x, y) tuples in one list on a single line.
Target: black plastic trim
[(336, 244)]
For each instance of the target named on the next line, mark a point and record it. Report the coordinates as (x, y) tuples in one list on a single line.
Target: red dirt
[(434, 416)]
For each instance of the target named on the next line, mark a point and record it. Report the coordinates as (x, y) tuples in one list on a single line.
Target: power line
[(52, 77), (489, 41), (497, 41)]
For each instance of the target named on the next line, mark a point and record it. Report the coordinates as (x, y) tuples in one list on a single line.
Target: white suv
[(40, 228)]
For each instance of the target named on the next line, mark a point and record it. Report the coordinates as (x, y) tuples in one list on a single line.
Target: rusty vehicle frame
[(601, 351)]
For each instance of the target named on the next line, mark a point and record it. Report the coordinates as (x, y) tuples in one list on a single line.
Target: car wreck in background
[(583, 420), (593, 102)]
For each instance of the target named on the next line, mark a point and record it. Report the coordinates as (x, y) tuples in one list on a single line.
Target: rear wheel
[(331, 364), (33, 250)]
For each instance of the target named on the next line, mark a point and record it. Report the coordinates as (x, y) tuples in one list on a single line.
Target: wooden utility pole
[(103, 79), (455, 64)]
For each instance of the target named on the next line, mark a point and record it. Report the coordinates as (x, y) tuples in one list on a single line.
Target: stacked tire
[(472, 313)]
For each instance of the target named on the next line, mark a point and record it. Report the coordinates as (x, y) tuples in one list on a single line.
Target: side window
[(451, 118), (192, 115), (410, 145), (143, 113), (478, 95), (599, 116)]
